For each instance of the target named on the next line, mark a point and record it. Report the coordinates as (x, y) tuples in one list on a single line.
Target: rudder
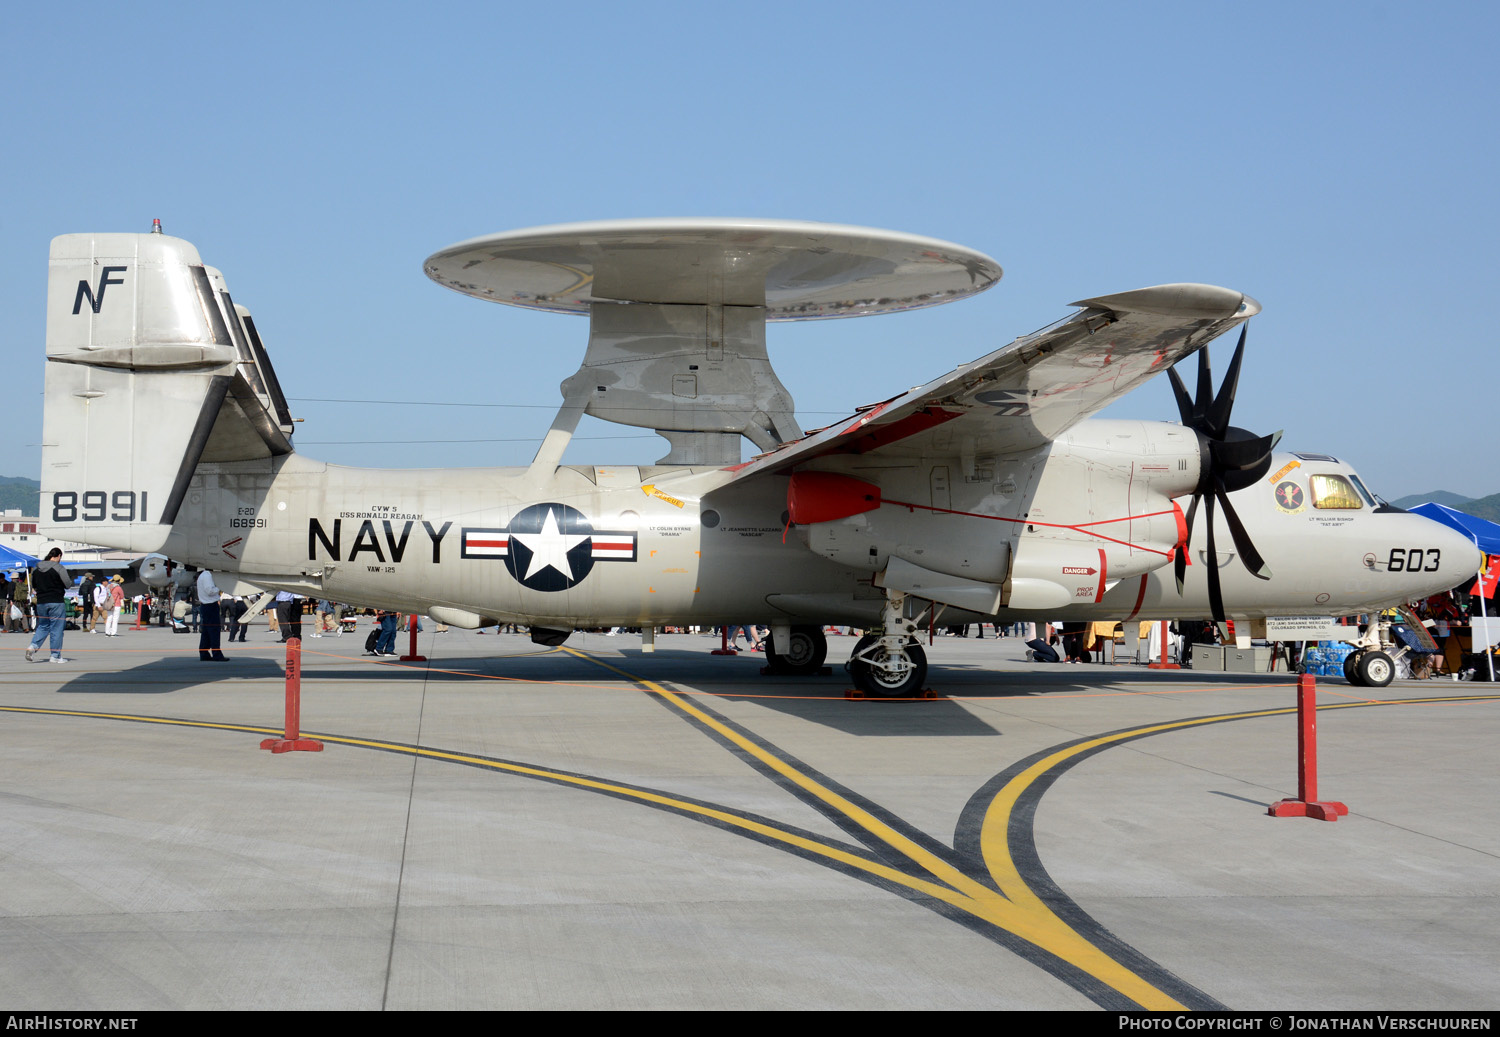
[(145, 350)]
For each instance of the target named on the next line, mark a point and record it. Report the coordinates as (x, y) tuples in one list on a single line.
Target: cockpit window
[(1333, 491), (1363, 490)]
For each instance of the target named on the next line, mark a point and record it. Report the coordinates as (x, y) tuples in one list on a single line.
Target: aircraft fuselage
[(587, 546)]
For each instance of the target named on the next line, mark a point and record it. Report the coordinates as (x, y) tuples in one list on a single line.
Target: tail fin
[(150, 369)]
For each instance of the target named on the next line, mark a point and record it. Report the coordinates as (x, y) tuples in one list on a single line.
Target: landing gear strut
[(1371, 664), (892, 664)]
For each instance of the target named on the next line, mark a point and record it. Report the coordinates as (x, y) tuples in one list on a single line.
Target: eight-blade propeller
[(1230, 459)]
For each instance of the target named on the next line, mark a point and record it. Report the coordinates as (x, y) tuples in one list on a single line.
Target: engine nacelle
[(1102, 512), (1053, 527), (1050, 573), (974, 548)]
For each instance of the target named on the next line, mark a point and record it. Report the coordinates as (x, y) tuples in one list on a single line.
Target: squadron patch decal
[(550, 547), (1290, 498)]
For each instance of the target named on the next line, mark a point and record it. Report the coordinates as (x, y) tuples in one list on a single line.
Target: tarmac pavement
[(507, 826)]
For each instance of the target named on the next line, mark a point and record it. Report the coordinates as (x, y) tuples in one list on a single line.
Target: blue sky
[(1336, 161)]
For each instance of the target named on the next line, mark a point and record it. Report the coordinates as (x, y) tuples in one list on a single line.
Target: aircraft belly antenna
[(678, 307)]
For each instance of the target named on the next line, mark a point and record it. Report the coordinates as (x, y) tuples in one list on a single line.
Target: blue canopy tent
[(12, 560), (1483, 532)]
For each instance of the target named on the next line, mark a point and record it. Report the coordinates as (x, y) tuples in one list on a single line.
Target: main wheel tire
[(1351, 669), (880, 683), (806, 650), (1376, 669)]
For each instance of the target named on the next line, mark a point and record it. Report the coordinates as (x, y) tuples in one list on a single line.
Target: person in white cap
[(209, 620)]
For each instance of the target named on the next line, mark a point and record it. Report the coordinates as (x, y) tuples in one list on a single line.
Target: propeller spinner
[(1231, 459)]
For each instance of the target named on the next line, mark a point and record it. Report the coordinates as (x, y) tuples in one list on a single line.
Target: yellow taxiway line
[(1011, 904)]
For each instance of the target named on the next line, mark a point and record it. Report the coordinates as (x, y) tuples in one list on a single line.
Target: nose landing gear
[(1371, 664), (1370, 668)]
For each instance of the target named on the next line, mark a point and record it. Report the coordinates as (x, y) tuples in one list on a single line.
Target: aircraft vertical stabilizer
[(139, 361)]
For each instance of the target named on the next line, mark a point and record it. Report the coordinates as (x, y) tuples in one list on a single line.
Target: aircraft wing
[(1030, 391)]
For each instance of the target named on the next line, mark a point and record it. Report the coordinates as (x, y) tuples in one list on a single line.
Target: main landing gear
[(887, 665), (892, 664), (805, 650)]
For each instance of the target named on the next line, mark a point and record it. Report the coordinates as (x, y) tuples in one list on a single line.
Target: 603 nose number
[(1414, 560)]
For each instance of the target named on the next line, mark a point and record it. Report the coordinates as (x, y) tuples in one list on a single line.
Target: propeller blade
[(1180, 561), (1204, 398), (1215, 596), (1242, 543), (1184, 402), (1217, 415)]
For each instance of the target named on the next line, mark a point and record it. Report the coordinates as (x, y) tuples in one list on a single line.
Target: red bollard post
[(1306, 804), (140, 617), (293, 740), (412, 656), (1166, 631), (724, 648)]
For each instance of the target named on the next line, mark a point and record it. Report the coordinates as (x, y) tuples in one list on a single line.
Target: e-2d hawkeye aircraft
[(983, 494)]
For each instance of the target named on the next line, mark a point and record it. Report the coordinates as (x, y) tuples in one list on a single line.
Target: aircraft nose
[(1460, 558)]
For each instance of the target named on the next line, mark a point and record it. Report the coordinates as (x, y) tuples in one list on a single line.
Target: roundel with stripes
[(550, 547)]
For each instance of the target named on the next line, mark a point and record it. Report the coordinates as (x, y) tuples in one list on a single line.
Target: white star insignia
[(549, 548)]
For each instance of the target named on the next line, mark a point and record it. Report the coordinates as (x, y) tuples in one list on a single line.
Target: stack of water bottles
[(1326, 659)]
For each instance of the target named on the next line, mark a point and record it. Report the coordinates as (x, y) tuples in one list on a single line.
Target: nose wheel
[(1369, 669)]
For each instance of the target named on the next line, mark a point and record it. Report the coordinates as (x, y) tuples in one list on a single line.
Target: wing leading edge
[(1030, 391)]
